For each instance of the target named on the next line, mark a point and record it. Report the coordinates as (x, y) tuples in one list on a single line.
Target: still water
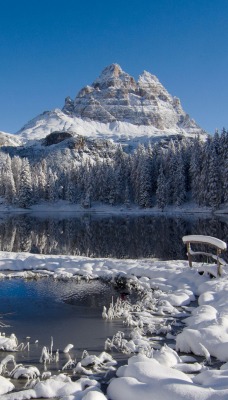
[(95, 235), (70, 312)]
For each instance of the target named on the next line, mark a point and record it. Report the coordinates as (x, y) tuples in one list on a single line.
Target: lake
[(94, 235), (70, 312)]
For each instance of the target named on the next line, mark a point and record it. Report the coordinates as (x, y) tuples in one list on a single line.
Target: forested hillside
[(182, 171)]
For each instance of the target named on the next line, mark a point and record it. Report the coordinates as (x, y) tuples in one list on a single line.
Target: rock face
[(116, 96), (116, 107), (56, 137)]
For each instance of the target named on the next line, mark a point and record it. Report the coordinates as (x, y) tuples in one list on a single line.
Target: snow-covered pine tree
[(35, 186), (170, 166), (223, 162), (8, 181), (179, 193), (25, 195), (225, 180), (111, 185), (86, 185), (127, 197), (51, 192), (42, 179), (195, 169), (216, 142), (62, 184), (186, 151), (135, 178), (145, 189), (70, 187), (155, 166), (214, 183), (101, 187), (161, 192), (119, 165), (16, 164), (203, 184)]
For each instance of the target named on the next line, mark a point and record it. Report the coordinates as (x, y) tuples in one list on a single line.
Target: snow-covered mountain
[(117, 107), (7, 139)]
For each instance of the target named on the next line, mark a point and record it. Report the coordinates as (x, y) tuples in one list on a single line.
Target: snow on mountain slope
[(117, 131), (117, 107), (7, 139)]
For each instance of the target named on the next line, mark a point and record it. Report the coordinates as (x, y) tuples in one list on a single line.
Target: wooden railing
[(210, 241)]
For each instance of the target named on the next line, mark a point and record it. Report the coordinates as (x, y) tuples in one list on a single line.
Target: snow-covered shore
[(64, 206), (163, 373)]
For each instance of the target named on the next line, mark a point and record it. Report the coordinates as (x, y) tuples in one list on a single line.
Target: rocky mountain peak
[(113, 76), (112, 70), (147, 77), (116, 96), (117, 106)]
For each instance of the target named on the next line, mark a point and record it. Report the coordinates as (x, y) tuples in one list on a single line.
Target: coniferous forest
[(154, 175)]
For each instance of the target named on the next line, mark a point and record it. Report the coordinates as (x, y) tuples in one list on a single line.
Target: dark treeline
[(183, 171)]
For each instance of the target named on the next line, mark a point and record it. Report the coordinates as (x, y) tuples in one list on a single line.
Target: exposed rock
[(116, 96), (69, 105), (56, 137), (117, 108)]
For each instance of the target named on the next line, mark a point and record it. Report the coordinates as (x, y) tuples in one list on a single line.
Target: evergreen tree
[(70, 188), (25, 195), (214, 187), (195, 169), (135, 176), (144, 176), (127, 201), (42, 179), (203, 184), (161, 192), (16, 164), (225, 181), (51, 192), (119, 165), (179, 193), (223, 163), (170, 170), (8, 181)]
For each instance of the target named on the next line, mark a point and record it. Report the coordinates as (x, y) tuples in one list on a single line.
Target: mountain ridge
[(119, 108), (118, 97)]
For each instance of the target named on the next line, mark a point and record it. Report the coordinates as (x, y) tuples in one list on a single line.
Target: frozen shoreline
[(66, 207), (205, 333)]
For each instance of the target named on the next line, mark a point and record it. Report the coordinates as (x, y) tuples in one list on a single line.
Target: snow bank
[(208, 324), (164, 374), (60, 386), (147, 378), (5, 385)]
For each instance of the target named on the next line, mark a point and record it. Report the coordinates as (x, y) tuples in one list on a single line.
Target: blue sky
[(50, 49)]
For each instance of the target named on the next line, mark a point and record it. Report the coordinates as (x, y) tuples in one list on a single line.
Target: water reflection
[(107, 236), (39, 309)]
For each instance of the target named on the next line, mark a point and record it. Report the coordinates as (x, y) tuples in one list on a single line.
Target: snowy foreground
[(153, 373)]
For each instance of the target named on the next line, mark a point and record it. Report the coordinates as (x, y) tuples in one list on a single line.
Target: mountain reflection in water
[(94, 235)]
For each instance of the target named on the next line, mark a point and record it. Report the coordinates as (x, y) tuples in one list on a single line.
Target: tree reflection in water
[(106, 236)]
